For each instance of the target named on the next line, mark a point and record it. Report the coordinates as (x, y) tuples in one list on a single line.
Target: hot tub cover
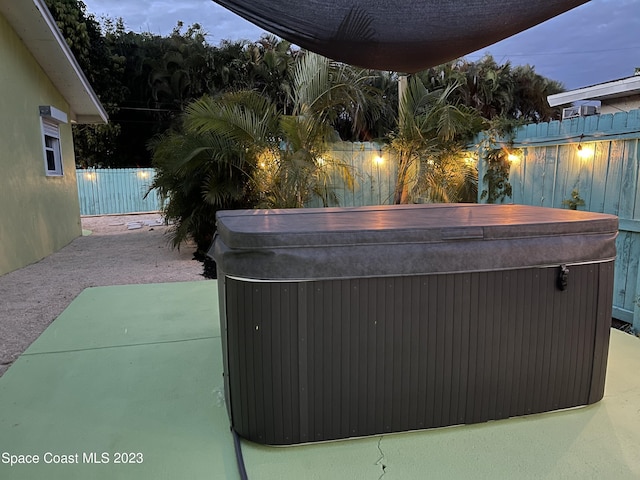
[(317, 243), (399, 35)]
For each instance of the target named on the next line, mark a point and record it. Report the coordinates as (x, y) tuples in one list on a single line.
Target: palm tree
[(432, 130), (496, 90), (241, 149), (530, 96), (269, 64)]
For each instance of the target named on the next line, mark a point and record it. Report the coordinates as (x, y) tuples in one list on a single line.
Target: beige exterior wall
[(39, 214), (623, 104)]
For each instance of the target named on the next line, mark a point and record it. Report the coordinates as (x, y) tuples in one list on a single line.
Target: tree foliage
[(495, 152), (242, 148), (496, 177), (497, 90), (94, 144), (145, 82), (433, 130), (246, 124)]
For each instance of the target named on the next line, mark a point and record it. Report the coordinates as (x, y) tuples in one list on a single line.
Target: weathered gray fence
[(117, 190), (598, 157)]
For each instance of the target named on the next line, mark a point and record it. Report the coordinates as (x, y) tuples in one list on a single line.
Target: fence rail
[(112, 191)]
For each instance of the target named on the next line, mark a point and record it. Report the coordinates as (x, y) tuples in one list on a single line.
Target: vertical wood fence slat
[(635, 153), (608, 182)]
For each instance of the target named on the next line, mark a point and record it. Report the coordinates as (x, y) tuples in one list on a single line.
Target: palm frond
[(245, 119), (310, 81)]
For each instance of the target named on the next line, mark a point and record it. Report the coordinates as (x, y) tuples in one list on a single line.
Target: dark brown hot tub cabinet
[(344, 322)]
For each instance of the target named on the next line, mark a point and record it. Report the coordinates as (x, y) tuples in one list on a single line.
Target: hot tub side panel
[(329, 359), (264, 367)]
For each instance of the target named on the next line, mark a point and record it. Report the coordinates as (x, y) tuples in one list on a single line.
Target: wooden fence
[(598, 157), (373, 171), (118, 190)]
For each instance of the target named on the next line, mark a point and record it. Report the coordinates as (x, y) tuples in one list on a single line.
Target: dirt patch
[(121, 250)]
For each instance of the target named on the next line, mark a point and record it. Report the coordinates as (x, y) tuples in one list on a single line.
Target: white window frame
[(50, 120)]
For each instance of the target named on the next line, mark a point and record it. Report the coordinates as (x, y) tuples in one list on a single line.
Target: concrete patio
[(137, 370)]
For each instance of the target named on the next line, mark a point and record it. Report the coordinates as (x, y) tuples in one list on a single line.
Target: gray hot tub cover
[(398, 35), (360, 242)]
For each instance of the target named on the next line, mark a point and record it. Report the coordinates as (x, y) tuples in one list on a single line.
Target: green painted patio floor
[(138, 369)]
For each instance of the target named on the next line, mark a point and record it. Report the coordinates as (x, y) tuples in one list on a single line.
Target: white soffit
[(36, 27)]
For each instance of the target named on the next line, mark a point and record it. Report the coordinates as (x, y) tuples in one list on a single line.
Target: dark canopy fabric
[(398, 35)]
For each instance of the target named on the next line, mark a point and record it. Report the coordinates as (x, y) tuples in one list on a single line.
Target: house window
[(52, 153), (51, 119)]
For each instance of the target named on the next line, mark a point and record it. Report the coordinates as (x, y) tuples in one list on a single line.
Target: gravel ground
[(113, 254)]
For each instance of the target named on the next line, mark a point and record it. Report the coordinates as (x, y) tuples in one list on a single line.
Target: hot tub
[(347, 322)]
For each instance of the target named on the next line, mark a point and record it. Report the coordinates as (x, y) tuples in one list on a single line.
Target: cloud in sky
[(594, 43)]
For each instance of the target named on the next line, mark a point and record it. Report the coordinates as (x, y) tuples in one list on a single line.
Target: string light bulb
[(378, 159), (584, 152)]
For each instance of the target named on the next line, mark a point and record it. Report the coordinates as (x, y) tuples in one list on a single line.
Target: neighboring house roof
[(34, 24), (625, 87)]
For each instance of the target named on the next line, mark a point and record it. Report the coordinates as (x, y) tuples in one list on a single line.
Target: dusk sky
[(596, 42)]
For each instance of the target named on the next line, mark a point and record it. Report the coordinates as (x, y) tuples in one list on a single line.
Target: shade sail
[(398, 35)]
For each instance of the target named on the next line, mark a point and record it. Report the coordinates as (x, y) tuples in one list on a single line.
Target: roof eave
[(619, 88), (34, 24)]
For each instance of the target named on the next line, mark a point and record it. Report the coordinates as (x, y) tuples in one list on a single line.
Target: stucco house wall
[(39, 213)]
